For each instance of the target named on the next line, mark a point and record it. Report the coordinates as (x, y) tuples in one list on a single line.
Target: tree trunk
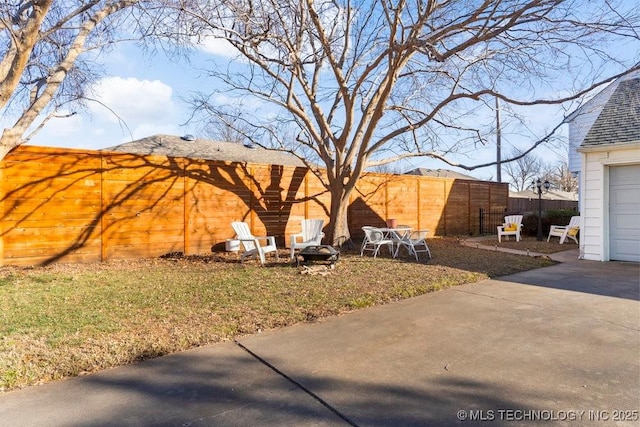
[(9, 139), (14, 136), (338, 233), (15, 60)]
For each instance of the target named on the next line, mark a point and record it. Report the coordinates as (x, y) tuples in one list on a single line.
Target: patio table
[(396, 235)]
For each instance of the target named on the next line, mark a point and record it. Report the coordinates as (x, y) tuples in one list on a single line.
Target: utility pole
[(498, 144)]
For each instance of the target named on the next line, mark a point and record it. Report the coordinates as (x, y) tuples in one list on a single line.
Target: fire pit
[(323, 253)]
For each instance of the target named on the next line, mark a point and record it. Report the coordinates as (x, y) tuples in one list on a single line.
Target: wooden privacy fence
[(80, 206)]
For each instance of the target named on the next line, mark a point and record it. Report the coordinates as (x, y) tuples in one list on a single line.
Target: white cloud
[(127, 108), (132, 100), (218, 46)]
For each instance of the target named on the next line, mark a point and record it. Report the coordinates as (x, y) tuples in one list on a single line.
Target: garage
[(610, 178), (624, 213)]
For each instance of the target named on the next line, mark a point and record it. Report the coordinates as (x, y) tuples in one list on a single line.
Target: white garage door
[(624, 213)]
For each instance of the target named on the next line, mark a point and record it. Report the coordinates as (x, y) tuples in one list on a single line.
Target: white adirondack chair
[(251, 244), (563, 231), (511, 227), (311, 235)]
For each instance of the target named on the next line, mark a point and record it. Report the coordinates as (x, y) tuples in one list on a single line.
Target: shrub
[(560, 216), (549, 217), (530, 224)]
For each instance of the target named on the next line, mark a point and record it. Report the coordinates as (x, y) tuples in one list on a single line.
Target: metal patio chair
[(374, 239)]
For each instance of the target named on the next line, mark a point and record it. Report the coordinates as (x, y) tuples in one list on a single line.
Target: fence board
[(45, 223), (19, 242), (50, 209)]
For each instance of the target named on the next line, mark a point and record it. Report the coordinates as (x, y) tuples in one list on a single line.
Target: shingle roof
[(619, 120), (550, 195), (175, 146), (440, 173), (600, 98)]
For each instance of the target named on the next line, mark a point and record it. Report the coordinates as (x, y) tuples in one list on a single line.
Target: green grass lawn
[(66, 320)]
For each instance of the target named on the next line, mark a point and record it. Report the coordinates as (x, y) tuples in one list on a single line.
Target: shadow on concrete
[(224, 385), (612, 279)]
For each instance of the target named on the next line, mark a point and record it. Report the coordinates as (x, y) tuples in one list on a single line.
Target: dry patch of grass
[(67, 320)]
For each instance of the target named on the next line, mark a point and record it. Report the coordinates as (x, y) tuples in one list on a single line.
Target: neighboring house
[(610, 174), (549, 195), (440, 173), (197, 148)]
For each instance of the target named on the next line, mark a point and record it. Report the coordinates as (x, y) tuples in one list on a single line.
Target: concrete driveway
[(559, 344)]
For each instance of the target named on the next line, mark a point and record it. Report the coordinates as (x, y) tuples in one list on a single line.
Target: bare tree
[(389, 169), (229, 127), (45, 65), (523, 170), (560, 177), (528, 167), (368, 83)]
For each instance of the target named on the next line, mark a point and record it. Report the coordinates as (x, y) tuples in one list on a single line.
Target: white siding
[(591, 196), (594, 231)]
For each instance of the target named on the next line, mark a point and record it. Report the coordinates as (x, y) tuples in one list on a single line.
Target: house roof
[(619, 120), (198, 148), (549, 195), (440, 173), (599, 99)]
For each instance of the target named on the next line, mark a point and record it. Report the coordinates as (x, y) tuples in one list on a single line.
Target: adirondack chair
[(311, 235), (563, 231), (251, 244), (511, 227)]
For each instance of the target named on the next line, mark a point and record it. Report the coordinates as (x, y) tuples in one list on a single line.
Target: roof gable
[(596, 103), (619, 120)]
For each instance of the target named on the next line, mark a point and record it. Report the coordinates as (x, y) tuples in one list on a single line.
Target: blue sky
[(143, 95), (147, 94), (142, 92)]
